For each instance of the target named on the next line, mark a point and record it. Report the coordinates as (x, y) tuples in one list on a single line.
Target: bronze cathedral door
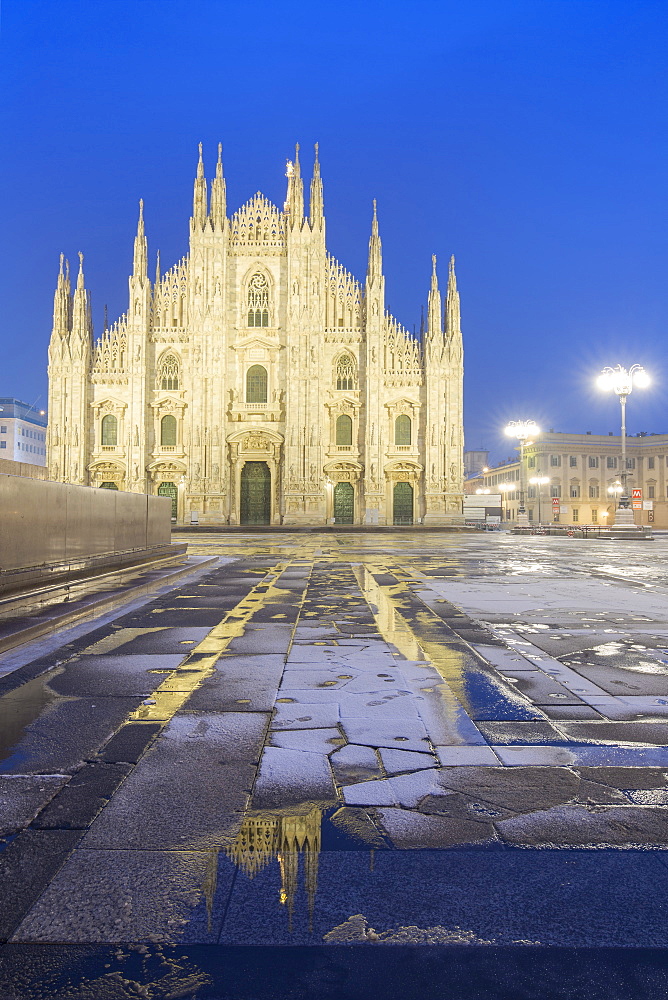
[(255, 493), (402, 503), (344, 503)]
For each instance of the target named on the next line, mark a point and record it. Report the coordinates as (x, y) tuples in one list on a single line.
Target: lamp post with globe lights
[(539, 481), (614, 492), (505, 488), (523, 430), (622, 380)]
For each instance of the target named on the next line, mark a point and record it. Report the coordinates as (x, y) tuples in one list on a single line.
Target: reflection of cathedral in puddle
[(265, 836)]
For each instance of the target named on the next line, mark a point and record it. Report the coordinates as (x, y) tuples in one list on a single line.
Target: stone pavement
[(343, 740)]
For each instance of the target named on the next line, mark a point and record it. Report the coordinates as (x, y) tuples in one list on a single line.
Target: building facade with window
[(580, 469), (22, 432), (258, 382)]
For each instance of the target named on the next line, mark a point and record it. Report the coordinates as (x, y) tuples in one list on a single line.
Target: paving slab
[(287, 777), (23, 796), (397, 761), (297, 715), (408, 831), (165, 805), (59, 737), (27, 865), (120, 896), (125, 675), (595, 826), (353, 763), (394, 733), (88, 791), (322, 741)]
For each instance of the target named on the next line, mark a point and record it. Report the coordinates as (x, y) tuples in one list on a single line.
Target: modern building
[(475, 462), (580, 469), (22, 432), (258, 381)]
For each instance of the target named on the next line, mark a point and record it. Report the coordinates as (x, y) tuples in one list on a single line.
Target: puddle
[(20, 708), (292, 840)]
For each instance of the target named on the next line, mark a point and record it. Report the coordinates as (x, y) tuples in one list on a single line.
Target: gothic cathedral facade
[(258, 382)]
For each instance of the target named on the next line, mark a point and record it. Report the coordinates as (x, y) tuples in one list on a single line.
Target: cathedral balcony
[(113, 447), (256, 406)]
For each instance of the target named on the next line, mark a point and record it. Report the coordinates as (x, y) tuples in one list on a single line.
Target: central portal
[(344, 503), (255, 493)]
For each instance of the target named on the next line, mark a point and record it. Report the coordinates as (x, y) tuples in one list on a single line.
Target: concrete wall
[(10, 468), (49, 524)]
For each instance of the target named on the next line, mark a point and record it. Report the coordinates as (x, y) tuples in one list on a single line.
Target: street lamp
[(482, 491), (523, 430), (539, 481), (505, 488), (621, 381)]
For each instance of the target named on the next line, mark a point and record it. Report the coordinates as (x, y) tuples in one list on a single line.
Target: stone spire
[(434, 329), (62, 301), (218, 194), (157, 269), (199, 195), (375, 266), (317, 208), (140, 259), (294, 202), (81, 317), (453, 331)]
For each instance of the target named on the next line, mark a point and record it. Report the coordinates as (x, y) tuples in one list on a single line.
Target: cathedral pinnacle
[(140, 257), (218, 194), (294, 202), (453, 332), (375, 266), (317, 208), (80, 276), (81, 321), (434, 329), (199, 194), (62, 301)]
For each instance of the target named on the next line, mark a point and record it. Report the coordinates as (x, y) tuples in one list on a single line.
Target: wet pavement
[(453, 745)]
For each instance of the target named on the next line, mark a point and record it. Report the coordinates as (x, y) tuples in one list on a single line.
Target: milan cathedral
[(257, 381)]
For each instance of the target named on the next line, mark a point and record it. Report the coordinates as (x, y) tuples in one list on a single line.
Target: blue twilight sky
[(527, 137)]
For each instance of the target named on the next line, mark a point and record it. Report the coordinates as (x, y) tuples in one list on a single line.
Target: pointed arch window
[(258, 300), (344, 430), (169, 373), (109, 430), (256, 384), (346, 374), (402, 430), (168, 431)]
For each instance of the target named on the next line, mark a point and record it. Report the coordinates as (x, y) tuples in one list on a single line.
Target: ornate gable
[(258, 223)]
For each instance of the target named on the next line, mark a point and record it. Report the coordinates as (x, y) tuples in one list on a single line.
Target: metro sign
[(636, 498), (555, 501)]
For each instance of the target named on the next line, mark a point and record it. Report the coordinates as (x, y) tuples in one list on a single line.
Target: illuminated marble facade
[(259, 353)]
